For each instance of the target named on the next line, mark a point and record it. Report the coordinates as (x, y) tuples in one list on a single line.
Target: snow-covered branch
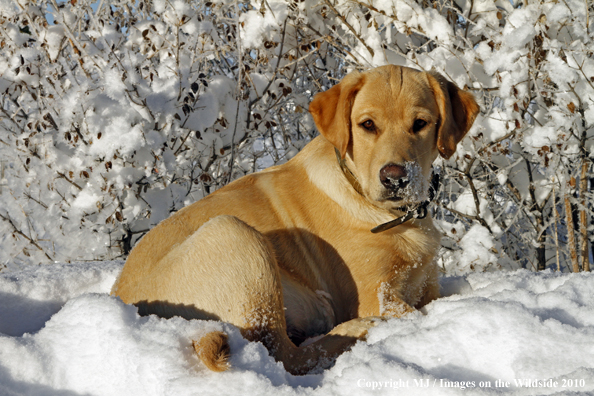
[(112, 116)]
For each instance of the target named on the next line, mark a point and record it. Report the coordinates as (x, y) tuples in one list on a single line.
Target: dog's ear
[(331, 111), (457, 111)]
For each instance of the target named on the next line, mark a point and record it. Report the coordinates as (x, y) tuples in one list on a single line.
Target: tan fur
[(213, 350), (287, 253)]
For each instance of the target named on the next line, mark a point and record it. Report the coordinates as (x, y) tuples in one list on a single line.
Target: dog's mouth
[(396, 189), (396, 196)]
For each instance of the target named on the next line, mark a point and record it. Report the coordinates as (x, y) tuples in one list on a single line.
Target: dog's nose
[(393, 176)]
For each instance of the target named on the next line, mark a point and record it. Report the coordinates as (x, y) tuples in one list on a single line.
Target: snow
[(477, 248), (119, 136), (86, 200), (257, 26), (127, 144), (418, 187), (61, 333)]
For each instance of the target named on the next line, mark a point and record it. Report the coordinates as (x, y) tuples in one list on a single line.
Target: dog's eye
[(369, 125), (418, 125)]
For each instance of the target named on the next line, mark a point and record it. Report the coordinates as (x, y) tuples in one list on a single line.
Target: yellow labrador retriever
[(287, 254)]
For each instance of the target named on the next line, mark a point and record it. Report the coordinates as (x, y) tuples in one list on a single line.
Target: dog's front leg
[(391, 301)]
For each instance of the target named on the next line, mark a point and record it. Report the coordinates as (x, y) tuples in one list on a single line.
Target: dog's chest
[(409, 249), (404, 262), (344, 277)]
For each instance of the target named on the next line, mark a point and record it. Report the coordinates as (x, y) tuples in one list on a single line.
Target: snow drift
[(506, 332)]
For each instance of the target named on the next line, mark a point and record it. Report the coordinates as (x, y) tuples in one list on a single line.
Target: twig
[(280, 55), (63, 176), (571, 234), (343, 19), (468, 18), (31, 241), (467, 216)]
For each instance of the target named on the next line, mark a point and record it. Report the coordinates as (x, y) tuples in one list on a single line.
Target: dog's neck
[(319, 154), (350, 176)]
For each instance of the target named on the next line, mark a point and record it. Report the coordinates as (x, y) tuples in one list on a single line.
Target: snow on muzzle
[(404, 182)]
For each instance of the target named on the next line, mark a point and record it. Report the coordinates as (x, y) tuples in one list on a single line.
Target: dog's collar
[(416, 212), (348, 173)]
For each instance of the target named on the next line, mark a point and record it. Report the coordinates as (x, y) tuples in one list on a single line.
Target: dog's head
[(390, 124)]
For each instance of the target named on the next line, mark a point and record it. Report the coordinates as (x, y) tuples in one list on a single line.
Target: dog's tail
[(213, 350)]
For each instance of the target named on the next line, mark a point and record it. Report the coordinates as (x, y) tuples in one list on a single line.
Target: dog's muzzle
[(394, 178)]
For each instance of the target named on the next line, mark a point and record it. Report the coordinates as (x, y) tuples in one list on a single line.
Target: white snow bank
[(62, 334)]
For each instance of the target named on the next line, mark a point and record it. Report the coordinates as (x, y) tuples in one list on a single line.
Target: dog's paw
[(357, 328)]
